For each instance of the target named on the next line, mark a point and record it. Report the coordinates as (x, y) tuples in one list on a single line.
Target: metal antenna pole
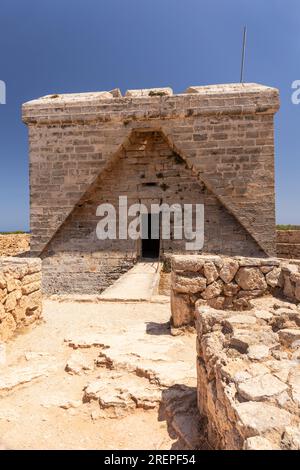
[(243, 54)]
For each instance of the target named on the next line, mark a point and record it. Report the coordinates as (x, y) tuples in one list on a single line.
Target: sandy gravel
[(29, 416)]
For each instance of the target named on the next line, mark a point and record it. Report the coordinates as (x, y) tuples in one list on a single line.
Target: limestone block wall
[(203, 145), (76, 261), (288, 244), (220, 282), (248, 376), (20, 294), (83, 272)]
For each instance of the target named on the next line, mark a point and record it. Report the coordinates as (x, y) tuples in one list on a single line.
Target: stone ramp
[(137, 285)]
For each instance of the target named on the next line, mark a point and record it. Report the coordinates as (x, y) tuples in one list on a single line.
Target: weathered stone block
[(182, 311), (289, 335), (213, 290), (273, 277), (229, 270), (30, 278), (261, 388), (29, 288), (249, 399), (210, 272), (189, 285), (12, 284), (251, 279), (2, 282), (231, 289), (11, 301)]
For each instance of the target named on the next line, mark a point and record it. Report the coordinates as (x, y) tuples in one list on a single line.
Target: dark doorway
[(150, 235)]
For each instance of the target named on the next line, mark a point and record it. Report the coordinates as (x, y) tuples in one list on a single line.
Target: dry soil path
[(100, 376)]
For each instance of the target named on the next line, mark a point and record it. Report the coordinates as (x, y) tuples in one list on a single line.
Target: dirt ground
[(14, 244), (138, 376)]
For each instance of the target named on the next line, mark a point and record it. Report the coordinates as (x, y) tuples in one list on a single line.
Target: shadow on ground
[(179, 409), (153, 328)]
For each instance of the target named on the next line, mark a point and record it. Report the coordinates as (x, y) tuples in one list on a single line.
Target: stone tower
[(212, 145)]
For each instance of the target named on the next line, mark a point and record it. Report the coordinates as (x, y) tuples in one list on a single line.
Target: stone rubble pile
[(248, 368), (20, 294)]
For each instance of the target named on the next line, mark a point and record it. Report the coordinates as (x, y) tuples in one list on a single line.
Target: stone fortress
[(212, 145)]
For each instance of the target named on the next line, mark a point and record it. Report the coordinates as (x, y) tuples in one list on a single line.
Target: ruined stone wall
[(248, 347), (20, 294), (220, 282), (288, 244), (223, 135), (248, 376)]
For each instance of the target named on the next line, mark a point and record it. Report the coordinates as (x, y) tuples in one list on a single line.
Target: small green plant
[(157, 93), (288, 227), (166, 265), (17, 232)]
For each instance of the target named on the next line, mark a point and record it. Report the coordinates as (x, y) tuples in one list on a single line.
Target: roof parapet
[(153, 103), (167, 91)]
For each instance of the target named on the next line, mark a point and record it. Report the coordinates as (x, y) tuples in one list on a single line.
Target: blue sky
[(56, 46)]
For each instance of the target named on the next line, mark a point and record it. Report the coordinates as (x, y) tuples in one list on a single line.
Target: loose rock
[(251, 279)]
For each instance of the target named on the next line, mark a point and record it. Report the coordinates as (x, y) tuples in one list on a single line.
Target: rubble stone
[(243, 392), (273, 277), (261, 417), (78, 363), (259, 443), (183, 313), (251, 279), (213, 290), (190, 285), (229, 270), (258, 352), (261, 388), (231, 282), (289, 335), (291, 438)]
